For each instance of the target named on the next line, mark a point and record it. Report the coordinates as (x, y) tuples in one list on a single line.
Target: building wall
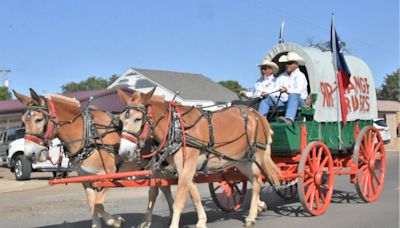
[(10, 120)]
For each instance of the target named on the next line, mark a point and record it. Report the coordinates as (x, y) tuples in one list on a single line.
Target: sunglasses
[(265, 68), (290, 62)]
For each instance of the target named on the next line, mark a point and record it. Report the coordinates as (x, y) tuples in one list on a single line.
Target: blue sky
[(49, 43)]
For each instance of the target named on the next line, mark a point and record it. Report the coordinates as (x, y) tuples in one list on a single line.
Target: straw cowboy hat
[(292, 57), (268, 63)]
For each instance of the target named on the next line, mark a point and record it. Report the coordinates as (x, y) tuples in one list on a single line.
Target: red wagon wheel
[(369, 155), (315, 186), (228, 195)]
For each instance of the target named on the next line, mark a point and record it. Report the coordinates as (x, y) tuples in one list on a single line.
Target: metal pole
[(281, 33), (5, 71), (339, 114)]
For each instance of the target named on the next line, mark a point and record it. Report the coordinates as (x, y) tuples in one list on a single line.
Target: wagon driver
[(266, 85)]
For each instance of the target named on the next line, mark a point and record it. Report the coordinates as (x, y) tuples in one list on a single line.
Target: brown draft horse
[(234, 134), (60, 116)]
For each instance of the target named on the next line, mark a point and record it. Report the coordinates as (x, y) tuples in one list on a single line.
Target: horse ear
[(23, 99), (39, 100), (147, 97), (135, 96), (124, 97)]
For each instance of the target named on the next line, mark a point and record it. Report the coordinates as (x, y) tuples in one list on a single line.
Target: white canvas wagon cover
[(360, 95)]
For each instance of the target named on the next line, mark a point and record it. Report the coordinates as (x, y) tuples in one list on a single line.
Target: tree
[(88, 84), (232, 85), (390, 89), (326, 46), (4, 93)]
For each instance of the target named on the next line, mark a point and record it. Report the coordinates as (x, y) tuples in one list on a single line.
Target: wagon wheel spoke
[(362, 160), (363, 167), (222, 197), (374, 138), (312, 197), (373, 186), (323, 163), (310, 190), (309, 164), (320, 152), (373, 174), (370, 141), (366, 183), (377, 147), (314, 159), (236, 188), (363, 153), (308, 174), (321, 194), (318, 201), (218, 187), (308, 182)]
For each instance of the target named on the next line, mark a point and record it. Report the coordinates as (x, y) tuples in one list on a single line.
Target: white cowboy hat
[(271, 64), (292, 57)]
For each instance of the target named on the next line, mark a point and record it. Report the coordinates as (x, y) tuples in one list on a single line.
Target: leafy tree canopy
[(88, 84), (390, 89), (232, 85), (4, 93)]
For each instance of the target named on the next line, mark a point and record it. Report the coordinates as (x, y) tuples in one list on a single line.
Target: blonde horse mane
[(65, 100)]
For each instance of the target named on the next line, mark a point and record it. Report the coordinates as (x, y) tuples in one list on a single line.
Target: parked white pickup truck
[(22, 166)]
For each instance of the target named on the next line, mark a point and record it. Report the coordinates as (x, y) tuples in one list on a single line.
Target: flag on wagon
[(342, 70)]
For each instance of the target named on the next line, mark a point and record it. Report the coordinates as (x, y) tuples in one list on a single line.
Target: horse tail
[(273, 172), (270, 168)]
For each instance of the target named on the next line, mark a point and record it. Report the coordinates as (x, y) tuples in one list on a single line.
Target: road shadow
[(293, 207), (277, 207), (131, 220)]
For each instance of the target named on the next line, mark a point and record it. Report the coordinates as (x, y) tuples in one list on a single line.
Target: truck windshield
[(19, 133)]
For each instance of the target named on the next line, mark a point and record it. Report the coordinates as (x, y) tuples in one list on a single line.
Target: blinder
[(40, 138), (146, 125)]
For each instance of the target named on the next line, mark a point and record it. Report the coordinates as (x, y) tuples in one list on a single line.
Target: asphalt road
[(35, 204)]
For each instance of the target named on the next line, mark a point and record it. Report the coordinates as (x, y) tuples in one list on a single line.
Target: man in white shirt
[(293, 85), (266, 86)]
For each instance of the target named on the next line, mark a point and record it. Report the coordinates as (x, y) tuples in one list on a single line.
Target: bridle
[(50, 120), (145, 129)]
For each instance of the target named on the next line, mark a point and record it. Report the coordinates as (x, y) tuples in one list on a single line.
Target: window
[(143, 83), (11, 134), (19, 133)]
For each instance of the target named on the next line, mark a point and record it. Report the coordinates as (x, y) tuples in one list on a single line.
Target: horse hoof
[(250, 223), (145, 225), (261, 207), (116, 221), (201, 226)]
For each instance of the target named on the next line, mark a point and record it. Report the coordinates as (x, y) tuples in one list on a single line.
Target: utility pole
[(5, 71)]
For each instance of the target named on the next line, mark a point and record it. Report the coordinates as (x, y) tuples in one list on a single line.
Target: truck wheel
[(22, 168)]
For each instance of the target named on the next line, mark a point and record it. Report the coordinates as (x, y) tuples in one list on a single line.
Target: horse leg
[(256, 205), (91, 196), (153, 193), (185, 180), (196, 199), (168, 195), (111, 220)]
